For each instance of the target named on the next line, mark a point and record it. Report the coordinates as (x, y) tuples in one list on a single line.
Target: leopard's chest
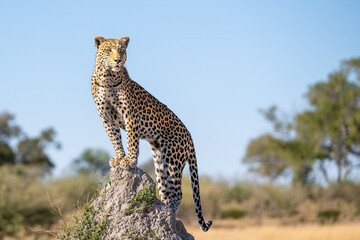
[(112, 103)]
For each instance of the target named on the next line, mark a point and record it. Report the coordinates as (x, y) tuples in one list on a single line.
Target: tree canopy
[(17, 147), (93, 161), (327, 132)]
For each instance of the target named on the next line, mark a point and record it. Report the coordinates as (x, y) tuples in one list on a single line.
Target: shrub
[(142, 201), (23, 201), (233, 213), (85, 225), (328, 216), (27, 200), (240, 192)]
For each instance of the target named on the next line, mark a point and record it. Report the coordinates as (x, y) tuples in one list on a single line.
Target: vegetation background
[(303, 162)]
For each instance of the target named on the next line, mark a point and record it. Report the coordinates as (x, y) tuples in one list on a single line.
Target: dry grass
[(278, 232), (225, 230)]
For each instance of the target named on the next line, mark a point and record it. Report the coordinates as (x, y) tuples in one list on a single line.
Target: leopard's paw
[(127, 162), (115, 161)]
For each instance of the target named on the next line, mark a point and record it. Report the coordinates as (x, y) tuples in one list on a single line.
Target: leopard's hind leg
[(174, 160), (168, 167), (161, 178)]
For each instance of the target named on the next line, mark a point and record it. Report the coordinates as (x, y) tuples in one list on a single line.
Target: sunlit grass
[(278, 232)]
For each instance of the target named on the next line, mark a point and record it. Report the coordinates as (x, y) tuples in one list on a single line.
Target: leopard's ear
[(99, 40), (125, 41)]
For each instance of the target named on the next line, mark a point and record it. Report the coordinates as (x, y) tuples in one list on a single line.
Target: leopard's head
[(111, 53)]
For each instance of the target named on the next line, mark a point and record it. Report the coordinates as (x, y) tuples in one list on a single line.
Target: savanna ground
[(279, 232)]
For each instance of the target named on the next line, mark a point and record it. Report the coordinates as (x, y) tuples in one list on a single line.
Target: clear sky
[(214, 63)]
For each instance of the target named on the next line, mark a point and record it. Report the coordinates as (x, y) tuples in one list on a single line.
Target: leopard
[(124, 104)]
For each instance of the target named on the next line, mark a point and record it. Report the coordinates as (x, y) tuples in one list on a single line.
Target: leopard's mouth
[(116, 68)]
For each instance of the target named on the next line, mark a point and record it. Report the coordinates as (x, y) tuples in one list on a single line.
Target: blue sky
[(214, 63)]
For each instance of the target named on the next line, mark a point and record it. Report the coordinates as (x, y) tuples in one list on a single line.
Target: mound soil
[(123, 203)]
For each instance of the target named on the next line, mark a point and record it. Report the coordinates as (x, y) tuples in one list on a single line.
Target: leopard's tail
[(196, 195)]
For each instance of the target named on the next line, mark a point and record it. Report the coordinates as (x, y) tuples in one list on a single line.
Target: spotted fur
[(122, 103)]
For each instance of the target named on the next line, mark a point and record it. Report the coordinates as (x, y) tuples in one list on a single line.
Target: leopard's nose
[(117, 60)]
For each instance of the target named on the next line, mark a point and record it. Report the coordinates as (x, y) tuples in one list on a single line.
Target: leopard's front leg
[(133, 139), (112, 128)]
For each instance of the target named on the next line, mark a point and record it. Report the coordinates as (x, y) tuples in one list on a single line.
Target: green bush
[(240, 192), (86, 224), (233, 213), (142, 201), (328, 216)]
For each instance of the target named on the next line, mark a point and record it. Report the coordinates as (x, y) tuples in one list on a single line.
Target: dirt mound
[(132, 210)]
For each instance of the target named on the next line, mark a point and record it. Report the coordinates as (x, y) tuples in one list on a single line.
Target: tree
[(93, 161), (328, 132), (28, 151), (7, 155), (272, 155), (8, 131), (332, 124), (31, 151), (352, 65), (266, 157)]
